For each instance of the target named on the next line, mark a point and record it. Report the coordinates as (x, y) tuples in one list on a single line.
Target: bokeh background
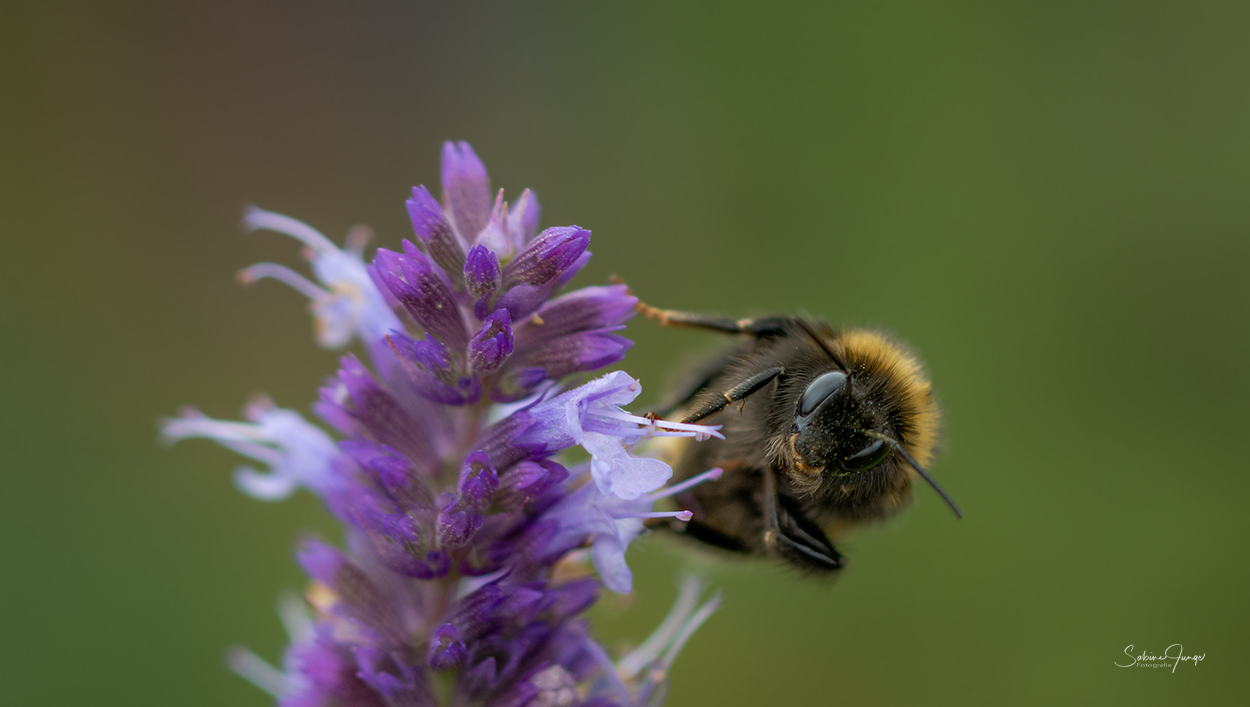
[(1049, 200)]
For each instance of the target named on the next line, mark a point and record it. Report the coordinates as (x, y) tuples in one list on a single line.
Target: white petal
[(618, 474), (609, 556), (264, 487)]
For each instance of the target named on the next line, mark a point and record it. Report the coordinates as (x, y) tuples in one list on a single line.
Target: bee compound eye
[(866, 458), (820, 390)]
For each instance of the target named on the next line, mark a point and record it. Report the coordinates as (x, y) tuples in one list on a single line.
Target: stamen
[(246, 439), (661, 428), (282, 274), (257, 219), (259, 452), (265, 486), (180, 428), (638, 658), (294, 617), (255, 670), (688, 630), (679, 515), (709, 475)]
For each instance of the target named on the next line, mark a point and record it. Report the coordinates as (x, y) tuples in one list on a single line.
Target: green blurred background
[(1048, 200)]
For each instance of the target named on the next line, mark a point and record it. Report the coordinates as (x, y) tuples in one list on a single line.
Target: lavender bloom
[(445, 473)]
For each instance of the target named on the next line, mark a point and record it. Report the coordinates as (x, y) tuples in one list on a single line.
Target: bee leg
[(738, 392), (682, 396), (766, 326), (784, 534)]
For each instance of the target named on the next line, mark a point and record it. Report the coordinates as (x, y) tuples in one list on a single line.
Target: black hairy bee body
[(823, 430)]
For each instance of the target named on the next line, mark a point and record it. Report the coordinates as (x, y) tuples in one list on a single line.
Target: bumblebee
[(831, 428)]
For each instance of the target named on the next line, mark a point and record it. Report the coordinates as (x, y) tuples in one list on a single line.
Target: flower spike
[(458, 580)]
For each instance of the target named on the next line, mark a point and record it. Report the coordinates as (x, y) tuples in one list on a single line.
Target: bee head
[(834, 428), (872, 407)]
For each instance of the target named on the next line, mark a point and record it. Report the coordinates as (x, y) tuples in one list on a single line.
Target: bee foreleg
[(784, 536), (766, 326), (738, 392), (697, 384)]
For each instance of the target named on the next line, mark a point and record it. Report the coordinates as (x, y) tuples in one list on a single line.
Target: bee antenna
[(898, 447), (807, 328)]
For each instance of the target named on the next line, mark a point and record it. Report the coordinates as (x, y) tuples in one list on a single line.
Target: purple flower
[(614, 522), (297, 453), (455, 507), (591, 416), (346, 304)]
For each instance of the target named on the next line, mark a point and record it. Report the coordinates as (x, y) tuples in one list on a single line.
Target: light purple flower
[(614, 522), (346, 303), (296, 452), (591, 416)]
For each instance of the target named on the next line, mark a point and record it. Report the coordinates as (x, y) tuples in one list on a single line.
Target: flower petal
[(547, 256), (609, 555), (618, 473), (466, 189), (523, 219), (435, 232), (423, 292)]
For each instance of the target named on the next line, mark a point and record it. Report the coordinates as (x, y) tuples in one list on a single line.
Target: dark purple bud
[(435, 232), (492, 344), (575, 352), (381, 417), (520, 604), (478, 481), (392, 472), (471, 613), (523, 219), (412, 278), (428, 365), (482, 272), (462, 517), (401, 543), (575, 597), (398, 539), (528, 480), (456, 527), (547, 256), (431, 355), (428, 354), (585, 309), (546, 545), (358, 596), (501, 440), (466, 189), (446, 649)]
